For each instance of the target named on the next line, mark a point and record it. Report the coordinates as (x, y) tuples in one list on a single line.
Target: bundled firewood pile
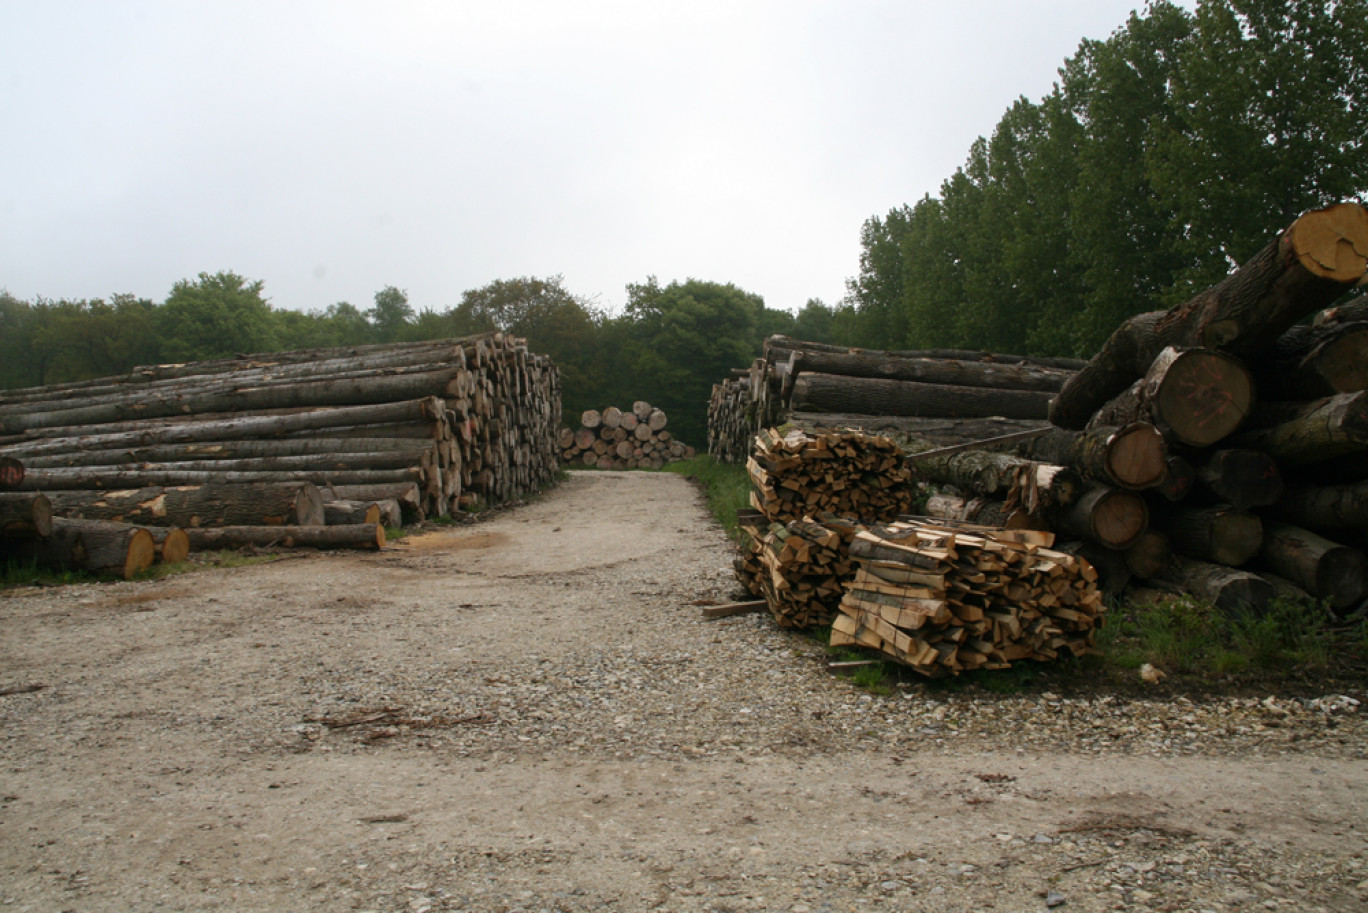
[(618, 439), (1221, 445), (798, 568), (846, 473), (280, 446), (945, 599), (946, 396)]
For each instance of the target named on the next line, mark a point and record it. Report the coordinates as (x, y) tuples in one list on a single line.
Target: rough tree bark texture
[(1315, 260)]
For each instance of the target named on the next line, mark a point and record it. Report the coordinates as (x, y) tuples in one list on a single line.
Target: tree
[(215, 316), (391, 314), (1273, 96)]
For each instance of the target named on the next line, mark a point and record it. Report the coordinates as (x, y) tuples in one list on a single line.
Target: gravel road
[(529, 713)]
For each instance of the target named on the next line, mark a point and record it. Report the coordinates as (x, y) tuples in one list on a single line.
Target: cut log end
[(1333, 242), (1138, 457), (1202, 397)]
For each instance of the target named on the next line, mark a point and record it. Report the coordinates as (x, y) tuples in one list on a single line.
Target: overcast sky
[(333, 148)]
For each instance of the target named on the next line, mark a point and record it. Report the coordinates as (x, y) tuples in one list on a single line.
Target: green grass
[(19, 573)]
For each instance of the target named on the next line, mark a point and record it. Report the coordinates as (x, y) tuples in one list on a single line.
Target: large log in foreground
[(1310, 264), (1193, 396), (24, 515), (114, 549)]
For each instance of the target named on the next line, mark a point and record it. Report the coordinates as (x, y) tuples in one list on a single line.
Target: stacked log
[(942, 396), (945, 599), (847, 474), (798, 568), (457, 417), (618, 439), (1260, 498)]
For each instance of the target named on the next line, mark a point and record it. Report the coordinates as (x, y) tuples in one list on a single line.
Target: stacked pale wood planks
[(945, 599), (275, 445), (621, 439), (845, 473), (798, 568)]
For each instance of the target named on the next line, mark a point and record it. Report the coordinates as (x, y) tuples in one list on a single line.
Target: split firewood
[(846, 474)]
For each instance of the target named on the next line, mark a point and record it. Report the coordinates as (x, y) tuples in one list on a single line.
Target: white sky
[(333, 148)]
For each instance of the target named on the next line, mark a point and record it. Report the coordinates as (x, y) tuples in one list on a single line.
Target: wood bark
[(985, 473), (1325, 569), (1233, 591), (1242, 478), (871, 396), (1220, 534), (985, 511), (860, 363), (11, 473), (1130, 456), (362, 536), (1193, 396), (291, 503), (1320, 430), (780, 348), (1309, 362), (303, 453), (94, 546), (903, 428), (1108, 516), (1149, 555), (1325, 508), (350, 513), (405, 494), (24, 515), (1310, 264)]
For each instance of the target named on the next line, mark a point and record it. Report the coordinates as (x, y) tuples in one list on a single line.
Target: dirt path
[(529, 713)]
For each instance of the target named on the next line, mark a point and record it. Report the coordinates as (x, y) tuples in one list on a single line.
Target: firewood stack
[(946, 599), (732, 423), (618, 439), (798, 568), (849, 474), (266, 448)]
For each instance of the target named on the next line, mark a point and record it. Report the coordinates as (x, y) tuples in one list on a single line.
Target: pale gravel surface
[(529, 713)]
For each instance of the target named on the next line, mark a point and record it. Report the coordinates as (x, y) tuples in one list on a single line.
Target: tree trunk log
[(11, 473), (1193, 396), (94, 546), (1220, 534), (835, 393), (983, 511), (351, 513), (780, 348), (1311, 362), (904, 428), (861, 363), (1321, 430), (1131, 457), (1231, 590), (24, 515), (108, 480), (1242, 478), (1149, 554), (1179, 477), (293, 504), (1314, 261), (1107, 516), (1113, 572), (173, 545), (1327, 508), (985, 473), (362, 535), (1325, 569)]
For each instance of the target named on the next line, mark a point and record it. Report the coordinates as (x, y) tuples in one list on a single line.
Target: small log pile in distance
[(798, 568), (949, 599), (946, 396), (849, 474), (617, 439), (278, 445)]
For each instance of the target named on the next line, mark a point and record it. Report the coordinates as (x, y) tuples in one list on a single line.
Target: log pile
[(317, 448), (618, 439), (461, 419), (945, 396), (844, 473), (945, 599), (1262, 492)]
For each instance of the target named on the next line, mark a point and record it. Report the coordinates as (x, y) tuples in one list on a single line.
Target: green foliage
[(214, 317), (1175, 147)]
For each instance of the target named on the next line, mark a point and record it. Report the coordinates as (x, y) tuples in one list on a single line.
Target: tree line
[(1165, 154), (669, 346)]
